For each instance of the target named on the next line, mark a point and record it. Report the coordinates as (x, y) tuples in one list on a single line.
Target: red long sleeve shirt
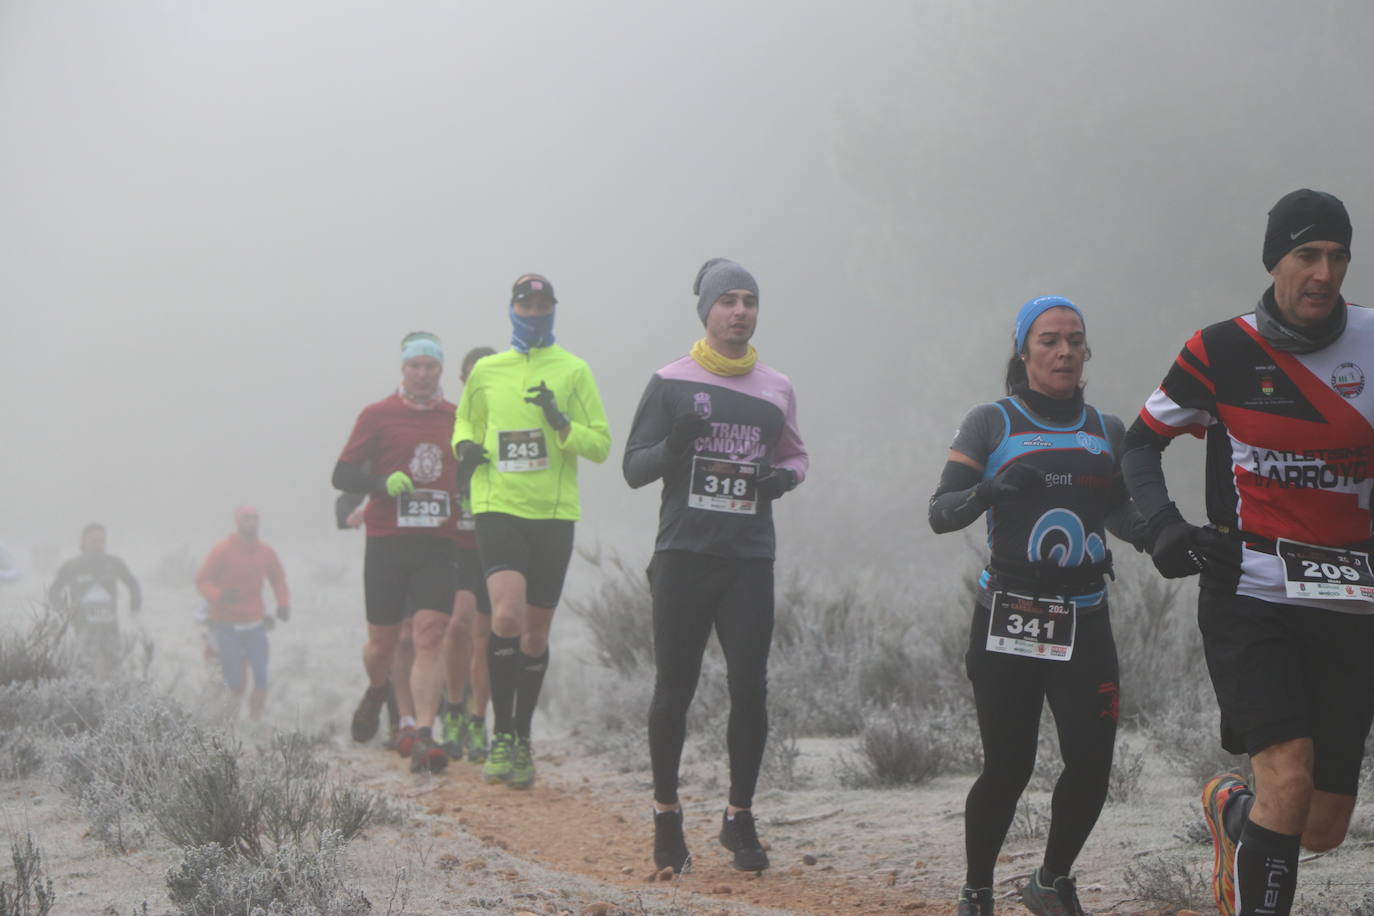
[(238, 564)]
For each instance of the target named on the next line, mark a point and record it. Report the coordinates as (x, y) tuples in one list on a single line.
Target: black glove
[(283, 612), (544, 399), (229, 595), (1183, 550), (1012, 483), (470, 457), (687, 427), (776, 482)]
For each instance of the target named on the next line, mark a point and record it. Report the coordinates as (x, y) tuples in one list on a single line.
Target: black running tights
[(693, 594), (1009, 692)]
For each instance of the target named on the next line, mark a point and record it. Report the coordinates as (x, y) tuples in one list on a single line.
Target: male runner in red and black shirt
[(399, 454), (1286, 606)]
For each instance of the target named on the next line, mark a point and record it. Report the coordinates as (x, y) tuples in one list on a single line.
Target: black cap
[(528, 285), (1304, 216)]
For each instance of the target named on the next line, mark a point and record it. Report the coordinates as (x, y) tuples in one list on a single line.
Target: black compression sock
[(529, 680), (1266, 871), (502, 653), (1236, 813), (478, 720)]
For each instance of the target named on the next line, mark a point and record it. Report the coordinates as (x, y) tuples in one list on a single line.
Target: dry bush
[(31, 892), (906, 747), (39, 654), (212, 881), (1189, 740), (1032, 820), (1173, 879)]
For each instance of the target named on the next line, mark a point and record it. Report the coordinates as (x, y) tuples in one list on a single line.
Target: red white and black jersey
[(1290, 439), (392, 436)]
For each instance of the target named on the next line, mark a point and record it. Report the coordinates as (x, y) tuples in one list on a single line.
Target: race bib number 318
[(720, 485)]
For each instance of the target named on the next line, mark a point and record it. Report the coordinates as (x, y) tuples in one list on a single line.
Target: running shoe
[(453, 730), (975, 902), (426, 756), (522, 768), (670, 846), (367, 718), (739, 835), (476, 740), (497, 767), (1059, 899), (405, 740), (1218, 791)]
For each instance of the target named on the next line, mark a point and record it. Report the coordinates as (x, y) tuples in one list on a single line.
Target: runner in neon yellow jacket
[(526, 416), (495, 402)]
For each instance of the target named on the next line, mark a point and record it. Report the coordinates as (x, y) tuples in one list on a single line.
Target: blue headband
[(1034, 309), (422, 346)]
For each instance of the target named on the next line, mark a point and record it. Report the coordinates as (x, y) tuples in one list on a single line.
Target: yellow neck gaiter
[(717, 364)]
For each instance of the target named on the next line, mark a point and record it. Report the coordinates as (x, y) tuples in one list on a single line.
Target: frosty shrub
[(619, 614), (36, 654), (1032, 820), (30, 893), (905, 747), (294, 880), (1190, 742), (1172, 879)]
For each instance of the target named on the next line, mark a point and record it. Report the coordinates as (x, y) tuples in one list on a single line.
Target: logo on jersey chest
[(427, 463), (1267, 385), (701, 403), (1348, 380), (1036, 442), (1090, 443)]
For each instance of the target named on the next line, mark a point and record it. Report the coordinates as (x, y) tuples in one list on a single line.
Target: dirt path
[(572, 824)]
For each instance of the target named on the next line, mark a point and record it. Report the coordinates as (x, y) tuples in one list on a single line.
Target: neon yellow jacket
[(493, 403)]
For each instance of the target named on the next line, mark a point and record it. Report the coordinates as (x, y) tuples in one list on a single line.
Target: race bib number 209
[(1311, 571)]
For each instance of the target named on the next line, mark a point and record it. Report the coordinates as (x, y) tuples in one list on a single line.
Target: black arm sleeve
[(1143, 467), (647, 456), (135, 591), (956, 503), (352, 478)]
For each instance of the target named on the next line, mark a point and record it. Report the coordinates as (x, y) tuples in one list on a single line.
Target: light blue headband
[(1034, 309), (422, 346)]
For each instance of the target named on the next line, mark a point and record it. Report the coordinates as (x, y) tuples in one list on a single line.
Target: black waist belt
[(1261, 544), (1050, 578)]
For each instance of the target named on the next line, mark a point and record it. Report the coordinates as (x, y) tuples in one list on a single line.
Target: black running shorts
[(406, 573), (472, 579), (537, 548), (1283, 671)]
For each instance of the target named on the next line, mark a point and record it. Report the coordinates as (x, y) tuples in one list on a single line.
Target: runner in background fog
[(1045, 467), (526, 416), (469, 632), (1286, 599), (231, 580), (398, 456), (86, 592), (719, 428)]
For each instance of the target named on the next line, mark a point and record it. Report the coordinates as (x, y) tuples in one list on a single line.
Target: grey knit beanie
[(716, 278)]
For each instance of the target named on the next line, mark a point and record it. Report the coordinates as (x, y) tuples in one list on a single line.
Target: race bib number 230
[(422, 509)]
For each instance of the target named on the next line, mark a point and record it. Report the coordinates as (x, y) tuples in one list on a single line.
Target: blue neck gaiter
[(528, 333)]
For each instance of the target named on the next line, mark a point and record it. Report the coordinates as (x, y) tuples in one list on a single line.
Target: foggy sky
[(217, 221)]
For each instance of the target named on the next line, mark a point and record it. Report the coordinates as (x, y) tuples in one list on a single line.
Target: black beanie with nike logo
[(1304, 216)]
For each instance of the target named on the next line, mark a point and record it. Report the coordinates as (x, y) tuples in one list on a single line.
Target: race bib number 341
[(521, 450), (1035, 626), (422, 509), (1310, 571), (719, 485)]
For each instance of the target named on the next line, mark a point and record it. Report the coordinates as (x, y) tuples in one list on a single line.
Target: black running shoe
[(976, 902), (1059, 899), (739, 835), (367, 718), (670, 846)]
